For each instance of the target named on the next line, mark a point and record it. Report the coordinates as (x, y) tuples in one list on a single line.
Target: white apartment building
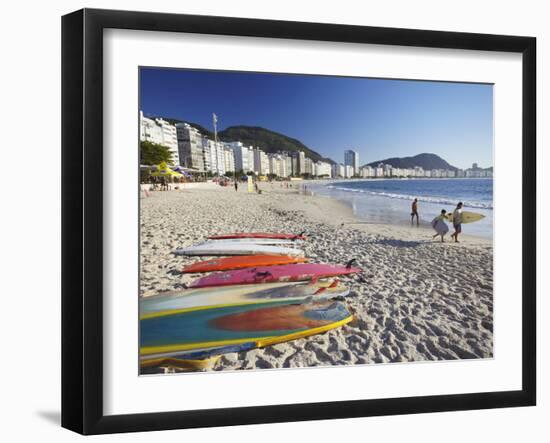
[(229, 157), (301, 162), (418, 171), (161, 132), (215, 157), (349, 171), (288, 165), (261, 162), (367, 172), (243, 156), (274, 164), (251, 159), (190, 147), (308, 166), (341, 170), (323, 169)]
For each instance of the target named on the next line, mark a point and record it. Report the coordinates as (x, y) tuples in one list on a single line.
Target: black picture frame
[(82, 219)]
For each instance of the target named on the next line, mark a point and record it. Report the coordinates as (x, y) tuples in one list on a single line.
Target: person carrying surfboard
[(414, 212), (440, 226), (457, 221)]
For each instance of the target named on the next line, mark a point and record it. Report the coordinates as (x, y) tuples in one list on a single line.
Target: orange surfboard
[(241, 262)]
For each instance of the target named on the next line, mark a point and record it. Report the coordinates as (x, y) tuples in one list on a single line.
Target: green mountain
[(268, 141), (425, 161)]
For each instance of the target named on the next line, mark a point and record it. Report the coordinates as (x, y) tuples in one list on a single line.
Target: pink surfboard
[(257, 235), (271, 274)]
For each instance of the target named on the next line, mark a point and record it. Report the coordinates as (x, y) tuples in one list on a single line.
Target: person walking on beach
[(236, 186), (457, 221), (414, 212), (440, 226)]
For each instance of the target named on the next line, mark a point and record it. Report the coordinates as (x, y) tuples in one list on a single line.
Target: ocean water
[(389, 200)]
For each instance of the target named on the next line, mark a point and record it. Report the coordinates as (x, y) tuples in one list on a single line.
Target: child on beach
[(440, 226)]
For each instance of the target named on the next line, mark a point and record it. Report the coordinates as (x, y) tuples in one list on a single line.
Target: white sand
[(422, 299)]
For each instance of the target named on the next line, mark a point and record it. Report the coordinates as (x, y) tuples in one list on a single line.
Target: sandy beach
[(417, 300)]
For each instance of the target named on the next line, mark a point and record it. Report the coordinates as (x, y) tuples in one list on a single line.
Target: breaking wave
[(436, 200)]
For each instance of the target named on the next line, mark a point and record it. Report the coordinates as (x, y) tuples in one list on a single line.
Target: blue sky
[(376, 117)]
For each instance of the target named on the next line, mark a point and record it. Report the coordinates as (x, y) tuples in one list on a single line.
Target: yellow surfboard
[(467, 217)]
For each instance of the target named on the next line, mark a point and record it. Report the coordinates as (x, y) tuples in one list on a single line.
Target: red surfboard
[(241, 262), (272, 274)]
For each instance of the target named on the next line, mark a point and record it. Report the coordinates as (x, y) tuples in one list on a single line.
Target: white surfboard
[(257, 241), (237, 248)]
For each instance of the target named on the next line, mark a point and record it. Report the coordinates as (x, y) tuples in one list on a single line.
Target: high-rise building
[(217, 156), (261, 162), (229, 156), (295, 164), (190, 147), (351, 158), (301, 163), (251, 160), (241, 156), (341, 170), (277, 164), (323, 169), (160, 132), (308, 166)]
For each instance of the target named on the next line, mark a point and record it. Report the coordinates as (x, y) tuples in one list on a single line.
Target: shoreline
[(417, 299), (377, 209)]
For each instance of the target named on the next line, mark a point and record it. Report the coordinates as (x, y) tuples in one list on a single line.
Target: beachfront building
[(261, 162), (295, 166), (251, 160), (301, 162), (367, 172), (229, 157), (214, 156), (243, 156), (341, 170), (280, 164), (274, 164), (308, 163), (418, 171), (288, 164), (190, 147), (160, 132), (323, 169), (348, 171), (351, 158), (169, 135), (478, 172)]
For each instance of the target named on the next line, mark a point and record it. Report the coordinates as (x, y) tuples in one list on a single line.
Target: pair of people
[(440, 225)]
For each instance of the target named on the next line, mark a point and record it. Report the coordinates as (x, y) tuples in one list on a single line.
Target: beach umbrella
[(164, 171)]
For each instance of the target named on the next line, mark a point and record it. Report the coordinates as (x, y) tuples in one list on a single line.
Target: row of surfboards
[(246, 301)]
